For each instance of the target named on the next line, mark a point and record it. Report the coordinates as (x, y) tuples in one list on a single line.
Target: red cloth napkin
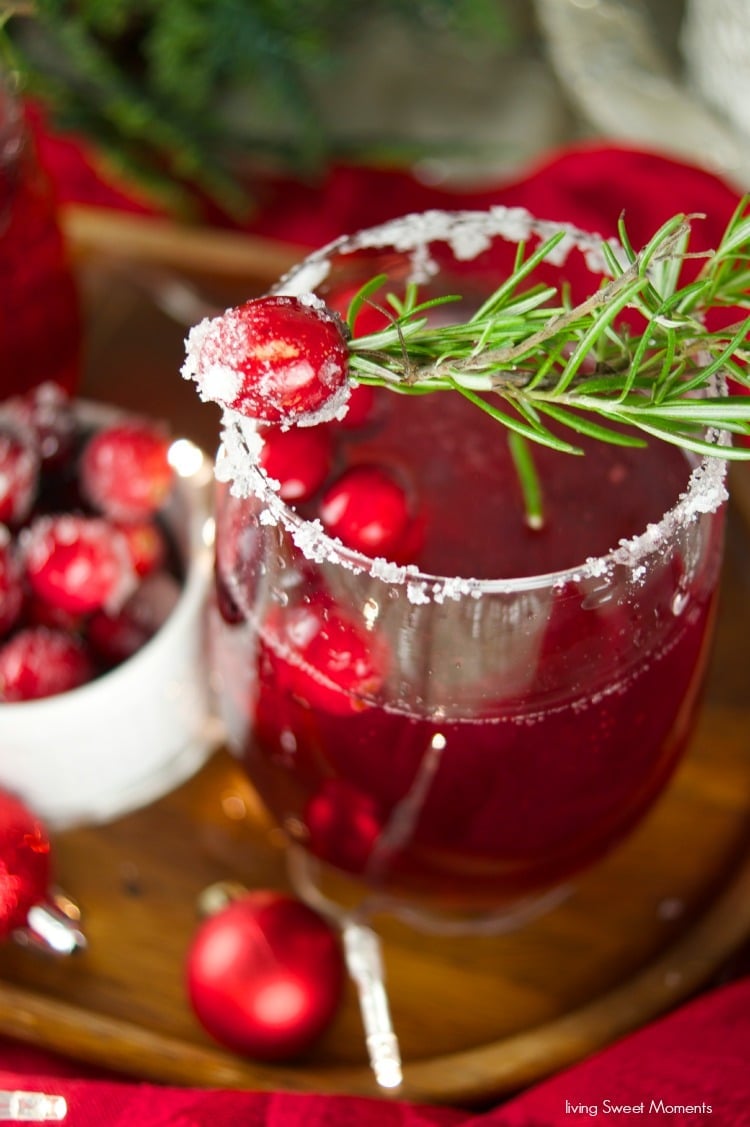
[(692, 1067), (697, 1058)]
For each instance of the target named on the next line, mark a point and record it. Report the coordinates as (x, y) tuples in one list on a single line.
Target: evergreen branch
[(529, 355), (197, 99)]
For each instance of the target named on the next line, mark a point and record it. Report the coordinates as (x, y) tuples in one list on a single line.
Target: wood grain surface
[(477, 1018)]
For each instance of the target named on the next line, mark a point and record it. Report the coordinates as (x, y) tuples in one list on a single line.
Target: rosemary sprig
[(544, 367)]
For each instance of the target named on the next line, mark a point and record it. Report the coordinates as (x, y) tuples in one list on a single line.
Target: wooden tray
[(477, 1018)]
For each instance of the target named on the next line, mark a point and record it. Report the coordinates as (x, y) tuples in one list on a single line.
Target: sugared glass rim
[(468, 233)]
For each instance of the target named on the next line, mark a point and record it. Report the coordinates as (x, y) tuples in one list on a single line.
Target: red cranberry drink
[(433, 691), (39, 314)]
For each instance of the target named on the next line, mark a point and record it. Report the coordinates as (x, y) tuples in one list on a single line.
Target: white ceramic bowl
[(128, 737)]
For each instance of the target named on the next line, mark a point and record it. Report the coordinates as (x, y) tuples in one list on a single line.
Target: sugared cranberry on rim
[(125, 470), (278, 359)]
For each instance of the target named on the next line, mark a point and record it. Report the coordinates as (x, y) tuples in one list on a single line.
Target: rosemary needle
[(543, 366)]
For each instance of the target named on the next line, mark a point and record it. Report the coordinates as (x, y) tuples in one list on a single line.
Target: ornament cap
[(32, 1107), (53, 926), (219, 895)]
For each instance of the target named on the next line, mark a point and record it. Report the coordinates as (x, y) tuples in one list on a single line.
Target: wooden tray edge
[(227, 254), (490, 1071)]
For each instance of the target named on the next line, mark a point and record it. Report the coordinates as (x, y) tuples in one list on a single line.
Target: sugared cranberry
[(19, 475), (47, 413), (116, 637), (125, 470), (367, 510), (324, 659), (11, 586), (78, 563), (278, 359), (146, 544), (38, 662), (59, 568), (299, 459), (38, 612)]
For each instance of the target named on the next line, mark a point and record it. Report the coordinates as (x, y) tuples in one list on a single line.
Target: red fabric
[(698, 1057), (589, 185)]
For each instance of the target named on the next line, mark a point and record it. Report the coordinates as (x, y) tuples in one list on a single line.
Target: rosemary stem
[(528, 479), (634, 358)]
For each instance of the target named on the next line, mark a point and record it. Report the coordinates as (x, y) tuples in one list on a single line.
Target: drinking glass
[(40, 330), (453, 743)]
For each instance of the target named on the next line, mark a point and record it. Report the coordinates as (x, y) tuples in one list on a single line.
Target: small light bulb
[(185, 458)]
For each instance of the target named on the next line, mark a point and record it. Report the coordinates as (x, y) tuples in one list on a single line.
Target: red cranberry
[(61, 568), (19, 475), (361, 407), (77, 563), (38, 612), (125, 470), (146, 544), (343, 825), (11, 586), (274, 358), (46, 412), (324, 659), (39, 662), (299, 459), (116, 637), (367, 510)]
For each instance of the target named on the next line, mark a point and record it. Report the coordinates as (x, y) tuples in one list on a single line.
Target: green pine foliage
[(158, 85)]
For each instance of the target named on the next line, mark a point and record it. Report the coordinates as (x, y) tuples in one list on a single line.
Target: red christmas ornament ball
[(25, 863), (265, 976)]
